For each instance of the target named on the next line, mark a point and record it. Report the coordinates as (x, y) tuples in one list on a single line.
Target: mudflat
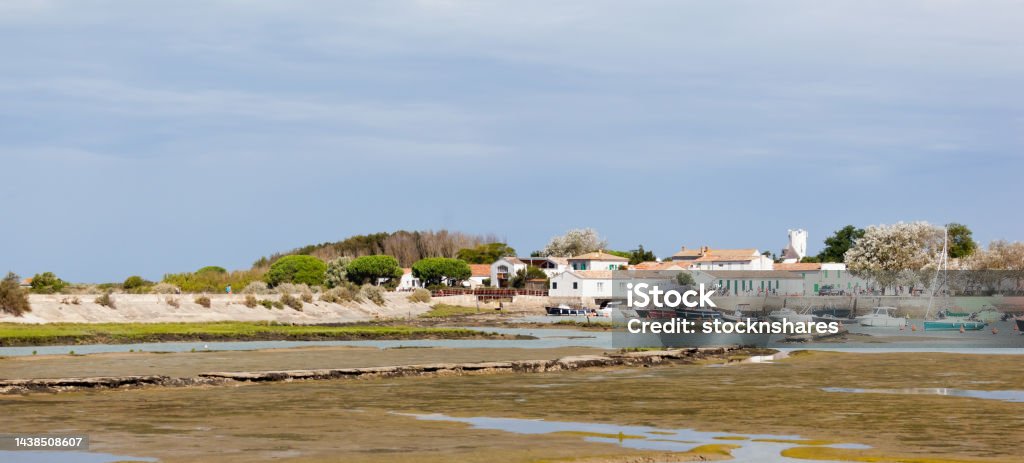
[(313, 421)]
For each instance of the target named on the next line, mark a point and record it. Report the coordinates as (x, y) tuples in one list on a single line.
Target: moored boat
[(1020, 324), (953, 324), (882, 316), (564, 309), (791, 315)]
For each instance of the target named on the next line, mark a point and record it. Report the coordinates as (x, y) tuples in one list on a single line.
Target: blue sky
[(145, 138)]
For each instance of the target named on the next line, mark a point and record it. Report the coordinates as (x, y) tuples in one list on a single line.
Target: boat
[(882, 316), (791, 315), (988, 314), (564, 309), (953, 324), (829, 318), (734, 316), (1020, 324), (697, 313), (832, 315)]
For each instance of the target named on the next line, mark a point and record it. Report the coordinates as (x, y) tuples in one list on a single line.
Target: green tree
[(297, 269), (135, 283), (337, 271), (684, 278), (13, 299), (485, 253), (529, 273), (840, 242), (433, 270), (639, 255), (810, 259), (47, 283), (212, 269), (961, 241), (372, 268)]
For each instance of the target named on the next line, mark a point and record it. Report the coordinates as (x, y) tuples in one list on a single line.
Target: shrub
[(291, 301), (297, 269), (250, 301), (173, 302), (370, 269), (345, 292), (13, 298), (135, 284), (289, 288), (74, 300), (203, 301), (337, 272), (307, 296), (373, 293), (164, 288), (269, 304), (47, 283), (434, 270), (257, 287), (420, 295), (211, 281), (106, 300)]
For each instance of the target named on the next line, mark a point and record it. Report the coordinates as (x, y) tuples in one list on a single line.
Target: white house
[(797, 247), (705, 258), (599, 260), (478, 273), (408, 282), (751, 282), (816, 277), (502, 270), (582, 284)]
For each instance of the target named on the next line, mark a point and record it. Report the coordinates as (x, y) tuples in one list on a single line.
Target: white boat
[(882, 316), (791, 315), (988, 314)]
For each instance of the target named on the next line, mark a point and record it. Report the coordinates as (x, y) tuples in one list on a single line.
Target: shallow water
[(953, 342), (32, 456), (1006, 396), (648, 438)]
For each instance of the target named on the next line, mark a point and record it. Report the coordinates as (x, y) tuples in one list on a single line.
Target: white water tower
[(797, 247)]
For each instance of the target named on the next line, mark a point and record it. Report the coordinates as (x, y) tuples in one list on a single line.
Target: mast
[(942, 269)]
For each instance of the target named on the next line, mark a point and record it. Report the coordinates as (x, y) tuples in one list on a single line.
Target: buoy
[(962, 328), (913, 327), (995, 330), (1014, 327)]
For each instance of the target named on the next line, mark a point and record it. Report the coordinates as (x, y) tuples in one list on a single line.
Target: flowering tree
[(899, 254), (575, 242)]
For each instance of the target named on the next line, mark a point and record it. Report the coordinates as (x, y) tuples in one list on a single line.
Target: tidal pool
[(1006, 396), (750, 447)]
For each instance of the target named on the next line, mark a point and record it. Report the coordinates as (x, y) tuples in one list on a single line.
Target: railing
[(489, 293)]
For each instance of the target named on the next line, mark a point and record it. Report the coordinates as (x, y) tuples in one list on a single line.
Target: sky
[(155, 137)]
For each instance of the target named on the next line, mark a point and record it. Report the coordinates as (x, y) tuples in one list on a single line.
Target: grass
[(446, 310), (15, 334)]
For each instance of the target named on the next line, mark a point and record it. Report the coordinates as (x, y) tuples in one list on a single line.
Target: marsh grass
[(15, 334), (446, 310)]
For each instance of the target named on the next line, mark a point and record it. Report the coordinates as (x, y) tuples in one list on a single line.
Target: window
[(600, 286), (575, 285), (554, 285)]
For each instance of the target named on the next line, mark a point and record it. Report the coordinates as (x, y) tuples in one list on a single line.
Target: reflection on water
[(1006, 396), (752, 447), (10, 456)]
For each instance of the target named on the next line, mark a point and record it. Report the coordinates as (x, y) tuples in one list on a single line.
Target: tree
[(135, 283), (529, 273), (961, 241), (434, 270), (212, 269), (337, 272), (840, 242), (896, 254), (575, 242), (485, 253), (372, 268), (639, 255), (811, 259), (684, 278), (47, 283), (13, 299), (297, 269)]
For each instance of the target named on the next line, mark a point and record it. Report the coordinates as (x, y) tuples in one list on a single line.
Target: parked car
[(830, 290)]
